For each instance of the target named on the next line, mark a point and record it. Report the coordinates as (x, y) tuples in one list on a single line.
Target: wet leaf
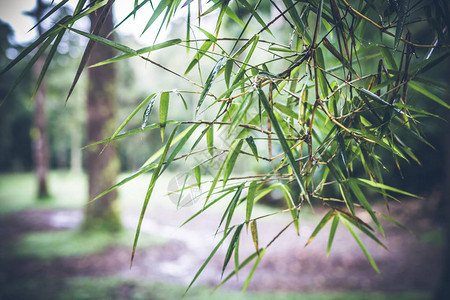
[(252, 145)]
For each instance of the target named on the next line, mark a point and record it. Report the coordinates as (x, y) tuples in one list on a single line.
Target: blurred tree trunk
[(102, 163), (39, 131)]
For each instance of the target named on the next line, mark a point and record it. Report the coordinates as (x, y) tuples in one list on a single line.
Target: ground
[(42, 256)]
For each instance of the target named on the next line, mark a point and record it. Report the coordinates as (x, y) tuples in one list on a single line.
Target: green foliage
[(313, 116)]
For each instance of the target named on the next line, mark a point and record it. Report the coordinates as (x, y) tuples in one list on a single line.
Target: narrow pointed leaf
[(249, 278), (363, 248), (209, 81), (334, 225), (155, 176), (163, 110), (131, 115), (231, 161), (208, 259), (252, 145), (210, 139), (198, 175), (232, 246), (250, 201), (254, 230), (321, 224)]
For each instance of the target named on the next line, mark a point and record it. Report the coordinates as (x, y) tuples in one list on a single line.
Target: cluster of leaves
[(312, 99)]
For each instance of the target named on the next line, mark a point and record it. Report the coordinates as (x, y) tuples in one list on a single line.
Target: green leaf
[(200, 53), (127, 179), (183, 137), (232, 246), (290, 158), (155, 176), (210, 139), (209, 81), (148, 110), (364, 203), (104, 41), (243, 264), (133, 113), (198, 175), (258, 260), (230, 208), (321, 224), (231, 161), (163, 110), (255, 14), (388, 58), (208, 259), (333, 228), (250, 201), (254, 230), (291, 205), (141, 51), (27, 68), (377, 185), (252, 145), (163, 4), (428, 94), (361, 245)]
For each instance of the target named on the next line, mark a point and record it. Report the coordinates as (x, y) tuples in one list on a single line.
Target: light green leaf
[(231, 161), (163, 110)]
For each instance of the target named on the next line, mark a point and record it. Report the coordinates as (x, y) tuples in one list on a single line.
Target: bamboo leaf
[(163, 110), (208, 259), (148, 110), (361, 245), (377, 185), (252, 145), (254, 230), (141, 51), (209, 82), (231, 161), (198, 175), (210, 139), (290, 158), (428, 94), (230, 209), (250, 201), (249, 278), (163, 4), (234, 272), (133, 113), (362, 199), (200, 53), (232, 246), (321, 224), (333, 228), (155, 176), (127, 179)]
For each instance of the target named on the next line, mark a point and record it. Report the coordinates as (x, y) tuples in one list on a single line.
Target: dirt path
[(411, 264)]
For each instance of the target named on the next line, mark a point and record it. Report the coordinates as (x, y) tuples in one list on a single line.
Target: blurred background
[(47, 253)]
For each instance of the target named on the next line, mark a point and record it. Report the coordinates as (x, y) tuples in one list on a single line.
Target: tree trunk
[(39, 131), (102, 162)]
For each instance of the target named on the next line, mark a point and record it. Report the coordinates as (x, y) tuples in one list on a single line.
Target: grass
[(116, 288), (67, 243)]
